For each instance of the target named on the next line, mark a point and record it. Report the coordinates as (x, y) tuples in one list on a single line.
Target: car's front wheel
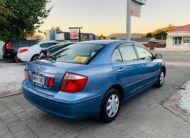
[(110, 106), (161, 79)]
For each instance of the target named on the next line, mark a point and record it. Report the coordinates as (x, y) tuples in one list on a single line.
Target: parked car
[(1, 49), (10, 49), (92, 79), (31, 53), (53, 49)]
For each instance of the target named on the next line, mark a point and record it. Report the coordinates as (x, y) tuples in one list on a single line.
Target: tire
[(35, 57), (161, 79), (109, 108), (16, 60)]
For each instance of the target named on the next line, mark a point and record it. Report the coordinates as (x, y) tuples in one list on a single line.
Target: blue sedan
[(92, 79)]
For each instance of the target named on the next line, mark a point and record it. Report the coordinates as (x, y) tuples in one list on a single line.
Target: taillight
[(26, 74), (8, 46), (51, 82), (23, 50), (73, 82)]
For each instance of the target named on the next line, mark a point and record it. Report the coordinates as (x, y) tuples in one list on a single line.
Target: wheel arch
[(120, 89), (37, 54), (163, 68)]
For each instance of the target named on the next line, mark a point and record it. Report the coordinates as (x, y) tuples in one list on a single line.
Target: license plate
[(39, 79)]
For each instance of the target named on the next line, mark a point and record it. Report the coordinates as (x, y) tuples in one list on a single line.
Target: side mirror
[(158, 56)]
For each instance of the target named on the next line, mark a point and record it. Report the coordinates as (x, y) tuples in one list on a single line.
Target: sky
[(109, 16)]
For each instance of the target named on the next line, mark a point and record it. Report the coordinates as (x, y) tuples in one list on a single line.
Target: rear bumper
[(25, 57), (74, 110), (9, 55)]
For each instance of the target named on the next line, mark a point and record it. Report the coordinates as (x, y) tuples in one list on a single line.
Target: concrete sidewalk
[(179, 103), (11, 76)]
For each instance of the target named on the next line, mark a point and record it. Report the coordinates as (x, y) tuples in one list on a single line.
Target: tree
[(161, 33), (22, 18), (102, 37), (149, 35), (57, 29), (161, 36), (5, 14)]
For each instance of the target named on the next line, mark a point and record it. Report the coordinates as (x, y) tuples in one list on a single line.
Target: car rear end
[(24, 51), (62, 88), (10, 49)]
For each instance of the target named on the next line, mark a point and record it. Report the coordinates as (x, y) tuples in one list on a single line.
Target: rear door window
[(15, 44), (128, 53), (28, 43)]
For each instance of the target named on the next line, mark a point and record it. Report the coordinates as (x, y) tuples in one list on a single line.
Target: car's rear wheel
[(35, 57), (110, 106), (161, 79)]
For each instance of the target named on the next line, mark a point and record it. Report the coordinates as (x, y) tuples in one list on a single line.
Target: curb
[(172, 104)]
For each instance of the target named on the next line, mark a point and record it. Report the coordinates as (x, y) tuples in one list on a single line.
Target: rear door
[(150, 67), (129, 71)]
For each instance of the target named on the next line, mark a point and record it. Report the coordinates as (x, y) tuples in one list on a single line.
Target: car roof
[(106, 42), (60, 44), (50, 41)]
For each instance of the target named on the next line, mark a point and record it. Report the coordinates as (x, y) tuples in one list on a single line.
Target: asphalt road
[(142, 117)]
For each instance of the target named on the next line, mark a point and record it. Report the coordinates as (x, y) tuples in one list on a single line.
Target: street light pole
[(128, 20)]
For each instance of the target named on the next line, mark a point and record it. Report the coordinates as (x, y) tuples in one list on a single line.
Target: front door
[(150, 67)]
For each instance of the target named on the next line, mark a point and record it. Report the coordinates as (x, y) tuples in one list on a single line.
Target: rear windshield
[(17, 44), (79, 53), (28, 43)]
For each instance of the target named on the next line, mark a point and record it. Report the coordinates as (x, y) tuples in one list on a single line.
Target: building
[(122, 36), (141, 40), (65, 36), (179, 39)]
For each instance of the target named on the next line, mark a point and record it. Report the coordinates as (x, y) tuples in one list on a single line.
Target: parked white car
[(1, 49), (32, 53)]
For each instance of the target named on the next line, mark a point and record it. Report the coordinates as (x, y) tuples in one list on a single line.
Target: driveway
[(142, 117)]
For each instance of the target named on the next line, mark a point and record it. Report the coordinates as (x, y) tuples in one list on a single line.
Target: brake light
[(51, 82), (8, 46), (26, 73), (23, 50), (73, 82)]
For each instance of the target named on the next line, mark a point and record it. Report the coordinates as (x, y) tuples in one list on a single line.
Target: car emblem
[(36, 70)]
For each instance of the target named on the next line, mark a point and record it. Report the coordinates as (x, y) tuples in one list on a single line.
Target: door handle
[(120, 69)]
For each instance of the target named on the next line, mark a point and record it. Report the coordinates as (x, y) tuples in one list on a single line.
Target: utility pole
[(128, 20), (133, 8)]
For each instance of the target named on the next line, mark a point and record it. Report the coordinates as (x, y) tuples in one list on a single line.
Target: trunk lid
[(47, 69)]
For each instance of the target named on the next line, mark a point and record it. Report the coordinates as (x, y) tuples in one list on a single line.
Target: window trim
[(119, 54), (178, 38)]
